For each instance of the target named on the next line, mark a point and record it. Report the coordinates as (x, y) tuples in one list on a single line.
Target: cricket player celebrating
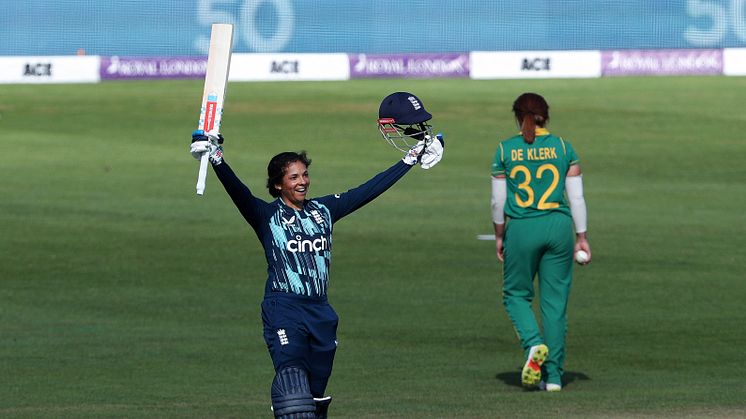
[(530, 174), (300, 326)]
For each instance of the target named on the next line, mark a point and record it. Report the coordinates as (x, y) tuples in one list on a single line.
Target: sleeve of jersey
[(498, 163), (248, 205), (342, 204), (572, 156)]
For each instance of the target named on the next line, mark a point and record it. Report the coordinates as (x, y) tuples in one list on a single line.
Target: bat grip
[(202, 175)]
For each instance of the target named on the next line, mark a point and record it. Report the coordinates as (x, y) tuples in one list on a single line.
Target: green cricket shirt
[(535, 174)]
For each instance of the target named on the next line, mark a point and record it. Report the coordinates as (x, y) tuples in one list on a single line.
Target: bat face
[(216, 77)]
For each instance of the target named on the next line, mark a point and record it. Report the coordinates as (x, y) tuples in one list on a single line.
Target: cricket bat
[(213, 96)]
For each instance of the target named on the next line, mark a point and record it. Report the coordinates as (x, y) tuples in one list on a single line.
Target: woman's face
[(294, 184)]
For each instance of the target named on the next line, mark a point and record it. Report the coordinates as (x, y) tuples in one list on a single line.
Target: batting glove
[(433, 152), (207, 142), (413, 155)]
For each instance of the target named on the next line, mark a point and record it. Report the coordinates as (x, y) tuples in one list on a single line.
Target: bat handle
[(202, 175)]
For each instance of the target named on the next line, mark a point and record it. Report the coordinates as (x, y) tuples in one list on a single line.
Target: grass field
[(123, 294)]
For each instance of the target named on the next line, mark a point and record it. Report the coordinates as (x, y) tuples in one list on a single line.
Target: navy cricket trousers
[(301, 333)]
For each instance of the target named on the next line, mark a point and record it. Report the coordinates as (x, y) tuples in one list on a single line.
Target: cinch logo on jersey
[(414, 102), (307, 245)]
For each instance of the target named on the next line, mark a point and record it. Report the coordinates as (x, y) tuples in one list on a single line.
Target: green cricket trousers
[(540, 246)]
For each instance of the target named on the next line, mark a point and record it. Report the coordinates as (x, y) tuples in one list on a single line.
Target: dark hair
[(278, 166), (531, 110)]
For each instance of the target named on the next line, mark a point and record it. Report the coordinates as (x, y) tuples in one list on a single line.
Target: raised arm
[(345, 203), (248, 205), (427, 154)]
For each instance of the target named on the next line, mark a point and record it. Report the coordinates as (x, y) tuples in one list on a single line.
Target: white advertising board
[(50, 69), (734, 61), (535, 64), (285, 67)]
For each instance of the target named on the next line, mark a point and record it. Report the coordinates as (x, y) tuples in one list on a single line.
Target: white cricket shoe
[(531, 373), (549, 386)]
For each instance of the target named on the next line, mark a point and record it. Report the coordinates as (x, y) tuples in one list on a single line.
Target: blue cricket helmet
[(402, 118), (405, 108)]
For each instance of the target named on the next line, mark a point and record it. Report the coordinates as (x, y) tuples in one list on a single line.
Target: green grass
[(123, 294)]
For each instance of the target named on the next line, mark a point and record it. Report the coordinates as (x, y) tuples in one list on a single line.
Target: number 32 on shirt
[(524, 184)]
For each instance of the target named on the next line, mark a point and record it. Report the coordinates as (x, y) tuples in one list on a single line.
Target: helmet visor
[(403, 137)]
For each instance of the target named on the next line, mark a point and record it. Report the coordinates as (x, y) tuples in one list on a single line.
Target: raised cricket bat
[(213, 97)]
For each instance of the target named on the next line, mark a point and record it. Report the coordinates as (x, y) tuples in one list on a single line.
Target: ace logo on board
[(536, 64), (38, 69)]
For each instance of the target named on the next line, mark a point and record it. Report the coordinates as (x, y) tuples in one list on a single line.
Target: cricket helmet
[(402, 118)]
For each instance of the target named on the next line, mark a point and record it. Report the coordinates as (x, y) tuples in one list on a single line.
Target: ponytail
[(528, 128)]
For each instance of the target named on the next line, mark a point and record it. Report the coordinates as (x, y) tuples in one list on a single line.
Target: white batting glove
[(207, 143), (433, 152), (413, 154)]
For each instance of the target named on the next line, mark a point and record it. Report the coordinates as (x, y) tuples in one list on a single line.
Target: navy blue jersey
[(298, 244)]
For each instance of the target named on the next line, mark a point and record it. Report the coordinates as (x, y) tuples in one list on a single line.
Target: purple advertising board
[(131, 68), (662, 62), (409, 65)]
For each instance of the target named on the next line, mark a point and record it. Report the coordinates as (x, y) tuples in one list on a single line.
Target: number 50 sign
[(717, 18), (244, 20)]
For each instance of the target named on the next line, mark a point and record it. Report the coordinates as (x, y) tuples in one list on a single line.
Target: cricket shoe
[(531, 374), (549, 386)]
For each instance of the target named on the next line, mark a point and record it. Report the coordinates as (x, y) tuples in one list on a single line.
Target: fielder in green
[(531, 174)]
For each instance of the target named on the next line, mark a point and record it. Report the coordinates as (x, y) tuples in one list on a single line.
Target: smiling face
[(294, 186)]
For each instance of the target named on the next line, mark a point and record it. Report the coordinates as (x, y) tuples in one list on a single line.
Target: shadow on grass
[(513, 378)]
